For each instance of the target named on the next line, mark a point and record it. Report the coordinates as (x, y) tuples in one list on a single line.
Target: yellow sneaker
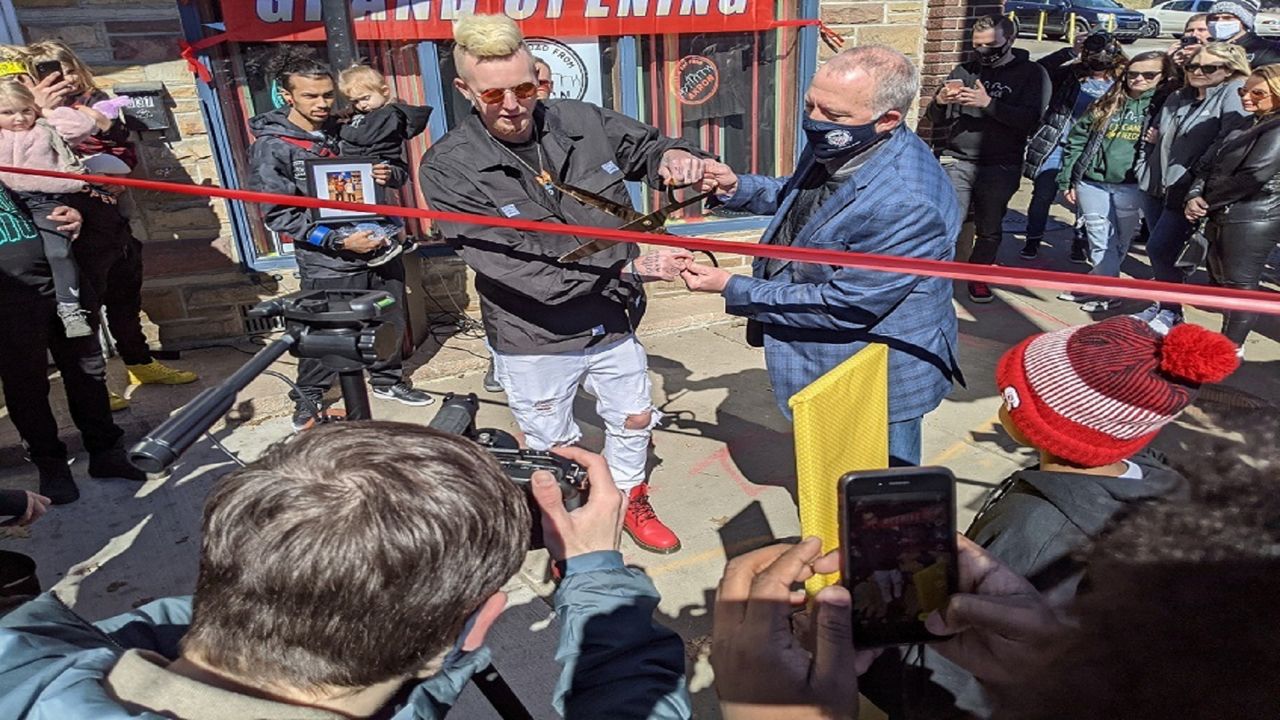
[(118, 402), (154, 373)]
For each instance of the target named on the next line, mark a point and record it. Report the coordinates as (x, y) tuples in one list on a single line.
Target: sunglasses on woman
[(523, 91), (1148, 75), (1205, 69), (1256, 93)]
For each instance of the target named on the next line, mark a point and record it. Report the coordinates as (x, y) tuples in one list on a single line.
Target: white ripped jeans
[(541, 389)]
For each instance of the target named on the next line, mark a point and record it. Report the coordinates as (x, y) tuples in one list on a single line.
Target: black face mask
[(993, 55)]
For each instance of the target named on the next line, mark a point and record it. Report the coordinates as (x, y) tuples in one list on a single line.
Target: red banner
[(299, 20)]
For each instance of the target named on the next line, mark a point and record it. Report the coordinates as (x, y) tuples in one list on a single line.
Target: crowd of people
[(355, 570), (68, 255)]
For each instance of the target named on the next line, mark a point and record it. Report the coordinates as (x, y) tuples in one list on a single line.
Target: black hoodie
[(996, 134), (383, 132), (277, 164)]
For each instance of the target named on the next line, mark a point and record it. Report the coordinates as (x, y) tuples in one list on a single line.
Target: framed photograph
[(348, 179)]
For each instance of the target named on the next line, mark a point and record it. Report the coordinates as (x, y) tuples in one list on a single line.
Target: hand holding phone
[(759, 660), (999, 625), (898, 551)]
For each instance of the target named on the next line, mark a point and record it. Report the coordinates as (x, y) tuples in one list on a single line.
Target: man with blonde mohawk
[(553, 325)]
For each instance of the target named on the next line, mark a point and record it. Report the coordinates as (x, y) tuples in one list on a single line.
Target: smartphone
[(1189, 40), (954, 84), (47, 68), (898, 551)]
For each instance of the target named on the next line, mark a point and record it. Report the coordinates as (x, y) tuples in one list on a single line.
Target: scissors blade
[(626, 212), (586, 250), (658, 218), (654, 222)]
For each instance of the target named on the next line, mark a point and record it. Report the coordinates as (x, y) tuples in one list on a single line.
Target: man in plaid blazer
[(866, 184)]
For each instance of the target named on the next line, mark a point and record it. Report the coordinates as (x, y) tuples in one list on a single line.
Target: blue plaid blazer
[(816, 316)]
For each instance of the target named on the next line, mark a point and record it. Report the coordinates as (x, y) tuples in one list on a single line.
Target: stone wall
[(136, 41), (896, 23)]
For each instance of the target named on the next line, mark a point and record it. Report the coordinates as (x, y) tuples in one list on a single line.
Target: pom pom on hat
[(1194, 354)]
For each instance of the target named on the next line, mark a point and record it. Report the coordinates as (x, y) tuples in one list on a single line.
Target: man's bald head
[(895, 80)]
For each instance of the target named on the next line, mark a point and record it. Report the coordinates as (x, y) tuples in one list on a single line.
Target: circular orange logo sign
[(695, 79)]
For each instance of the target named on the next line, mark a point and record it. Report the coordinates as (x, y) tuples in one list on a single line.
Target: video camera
[(347, 331)]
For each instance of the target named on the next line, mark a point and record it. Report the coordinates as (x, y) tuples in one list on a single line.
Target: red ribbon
[(832, 38), (187, 51), (1206, 296)]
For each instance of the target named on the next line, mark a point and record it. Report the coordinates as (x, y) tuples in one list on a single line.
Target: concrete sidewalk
[(722, 464)]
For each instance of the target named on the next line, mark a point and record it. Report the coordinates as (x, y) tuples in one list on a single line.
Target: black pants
[(986, 190), (27, 334), (1237, 254), (57, 245), (110, 259), (313, 377)]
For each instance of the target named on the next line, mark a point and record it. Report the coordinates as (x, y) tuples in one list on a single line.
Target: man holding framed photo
[(335, 250)]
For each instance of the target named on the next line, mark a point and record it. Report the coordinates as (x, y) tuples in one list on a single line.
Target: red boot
[(644, 527)]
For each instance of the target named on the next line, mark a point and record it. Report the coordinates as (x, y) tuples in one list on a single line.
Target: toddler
[(41, 140), (378, 129)]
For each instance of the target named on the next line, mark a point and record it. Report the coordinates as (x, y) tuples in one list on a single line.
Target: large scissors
[(655, 222)]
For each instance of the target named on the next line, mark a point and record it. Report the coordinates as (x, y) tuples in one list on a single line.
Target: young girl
[(36, 139), (1099, 167)]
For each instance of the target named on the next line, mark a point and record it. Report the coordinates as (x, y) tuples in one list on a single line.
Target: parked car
[(1267, 22), (1126, 24), (1168, 18)]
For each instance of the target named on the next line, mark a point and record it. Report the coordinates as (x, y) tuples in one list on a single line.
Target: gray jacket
[(530, 301), (1188, 127), (617, 662), (278, 164)]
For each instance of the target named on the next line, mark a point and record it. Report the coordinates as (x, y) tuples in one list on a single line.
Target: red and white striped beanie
[(1096, 394)]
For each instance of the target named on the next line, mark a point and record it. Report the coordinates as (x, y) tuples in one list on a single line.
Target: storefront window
[(733, 93), (730, 94)]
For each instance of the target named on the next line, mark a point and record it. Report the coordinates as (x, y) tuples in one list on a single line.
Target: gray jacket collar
[(142, 681)]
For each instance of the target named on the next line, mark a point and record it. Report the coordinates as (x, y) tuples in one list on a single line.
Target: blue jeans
[(1111, 212), (1043, 193), (1169, 236), (904, 442)]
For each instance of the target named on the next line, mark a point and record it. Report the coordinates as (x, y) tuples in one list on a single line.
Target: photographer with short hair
[(340, 567)]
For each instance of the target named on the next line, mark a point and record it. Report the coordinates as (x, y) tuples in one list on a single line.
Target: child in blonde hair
[(378, 129), (38, 139)]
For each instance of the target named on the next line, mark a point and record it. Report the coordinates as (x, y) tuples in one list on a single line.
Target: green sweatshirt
[(1115, 160)]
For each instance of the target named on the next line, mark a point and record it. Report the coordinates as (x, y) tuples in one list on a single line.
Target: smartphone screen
[(899, 551)]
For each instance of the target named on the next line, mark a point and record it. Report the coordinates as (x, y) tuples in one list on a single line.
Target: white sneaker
[(1075, 297), (1164, 321), (1097, 306), (1149, 313)]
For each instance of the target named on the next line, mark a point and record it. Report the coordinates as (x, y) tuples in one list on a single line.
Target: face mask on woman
[(1225, 29)]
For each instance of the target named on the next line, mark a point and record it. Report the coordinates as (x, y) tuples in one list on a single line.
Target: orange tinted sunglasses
[(523, 91)]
